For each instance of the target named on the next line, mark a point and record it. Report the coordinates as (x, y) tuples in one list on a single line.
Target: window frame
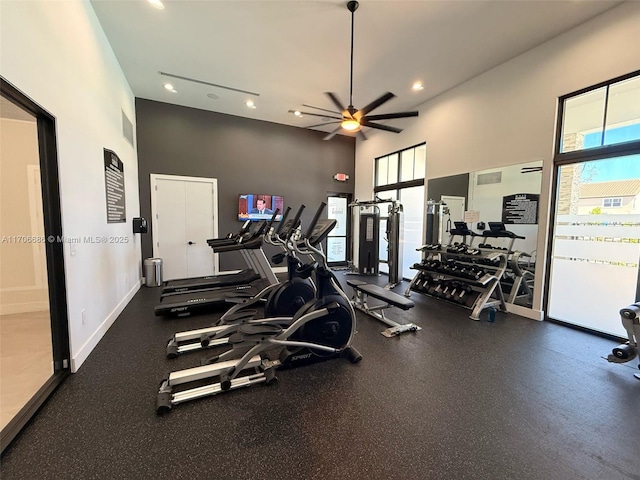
[(595, 152), (612, 201), (397, 186), (577, 156)]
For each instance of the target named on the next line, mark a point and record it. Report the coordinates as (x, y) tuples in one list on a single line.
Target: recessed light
[(297, 113), (213, 96), (157, 3), (250, 104), (417, 86), (169, 87)]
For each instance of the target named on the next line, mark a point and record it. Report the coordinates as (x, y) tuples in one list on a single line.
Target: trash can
[(153, 272)]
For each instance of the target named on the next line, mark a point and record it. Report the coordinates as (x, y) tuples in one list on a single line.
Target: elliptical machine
[(626, 352), (280, 300), (321, 330)]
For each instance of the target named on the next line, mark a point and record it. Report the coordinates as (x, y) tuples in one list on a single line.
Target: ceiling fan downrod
[(352, 6)]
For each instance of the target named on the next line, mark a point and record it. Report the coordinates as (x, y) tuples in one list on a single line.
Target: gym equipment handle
[(284, 218), (315, 219), (296, 219), (273, 218)]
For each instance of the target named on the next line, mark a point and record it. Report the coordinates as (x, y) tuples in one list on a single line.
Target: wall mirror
[(502, 197)]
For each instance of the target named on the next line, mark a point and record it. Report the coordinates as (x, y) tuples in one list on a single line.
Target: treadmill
[(247, 233), (204, 300)]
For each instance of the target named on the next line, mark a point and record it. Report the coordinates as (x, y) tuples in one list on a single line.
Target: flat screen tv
[(258, 206)]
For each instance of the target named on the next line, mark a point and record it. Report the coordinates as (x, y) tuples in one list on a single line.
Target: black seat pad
[(381, 294)]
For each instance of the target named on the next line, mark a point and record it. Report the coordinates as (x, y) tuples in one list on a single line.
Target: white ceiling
[(290, 52)]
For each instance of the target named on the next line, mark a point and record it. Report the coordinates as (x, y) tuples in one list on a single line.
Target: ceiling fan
[(350, 118)]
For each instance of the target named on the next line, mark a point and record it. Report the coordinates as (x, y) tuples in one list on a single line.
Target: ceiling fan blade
[(336, 102), (376, 103), (323, 109), (332, 134), (380, 127), (316, 115), (389, 116), (362, 135), (321, 124)]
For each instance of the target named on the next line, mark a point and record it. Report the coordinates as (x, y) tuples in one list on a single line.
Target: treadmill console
[(461, 228), (497, 227)]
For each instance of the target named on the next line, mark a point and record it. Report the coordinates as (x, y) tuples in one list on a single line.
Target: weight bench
[(361, 292)]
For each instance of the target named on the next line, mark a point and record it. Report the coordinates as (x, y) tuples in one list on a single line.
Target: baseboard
[(11, 308), (525, 312), (78, 359)]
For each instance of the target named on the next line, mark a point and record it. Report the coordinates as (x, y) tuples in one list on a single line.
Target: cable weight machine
[(436, 212), (366, 215)]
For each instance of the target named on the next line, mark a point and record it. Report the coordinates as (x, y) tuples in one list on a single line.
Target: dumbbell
[(432, 287), (455, 288), (463, 294)]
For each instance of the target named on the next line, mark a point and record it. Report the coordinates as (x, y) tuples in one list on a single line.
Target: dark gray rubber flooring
[(513, 399)]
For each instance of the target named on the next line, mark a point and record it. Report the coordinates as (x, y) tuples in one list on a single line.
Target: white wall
[(57, 54), (507, 115)]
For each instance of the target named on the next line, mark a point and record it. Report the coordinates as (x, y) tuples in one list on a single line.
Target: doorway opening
[(34, 337)]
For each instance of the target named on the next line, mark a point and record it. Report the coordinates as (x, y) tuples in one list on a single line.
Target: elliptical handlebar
[(282, 220), (273, 218), (315, 220), (296, 219)]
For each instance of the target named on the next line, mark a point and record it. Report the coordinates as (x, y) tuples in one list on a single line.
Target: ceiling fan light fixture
[(351, 125), (352, 119), (157, 3)]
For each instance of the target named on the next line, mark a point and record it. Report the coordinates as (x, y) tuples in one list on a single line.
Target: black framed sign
[(114, 184), (520, 208)]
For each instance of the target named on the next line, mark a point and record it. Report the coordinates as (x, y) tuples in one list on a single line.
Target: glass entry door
[(34, 338), (26, 351), (338, 239), (596, 243)]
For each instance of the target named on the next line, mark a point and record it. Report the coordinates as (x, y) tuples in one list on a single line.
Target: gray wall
[(455, 185), (246, 156)]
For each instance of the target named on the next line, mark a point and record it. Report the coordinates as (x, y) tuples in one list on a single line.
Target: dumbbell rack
[(464, 279)]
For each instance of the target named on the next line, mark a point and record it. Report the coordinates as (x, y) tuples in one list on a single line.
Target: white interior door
[(184, 216), (456, 206), (199, 228)]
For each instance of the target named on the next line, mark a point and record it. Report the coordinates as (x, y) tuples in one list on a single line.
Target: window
[(400, 175), (611, 202), (593, 239), (606, 115)]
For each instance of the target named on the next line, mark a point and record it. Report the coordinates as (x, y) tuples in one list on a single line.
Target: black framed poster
[(520, 208), (114, 184)]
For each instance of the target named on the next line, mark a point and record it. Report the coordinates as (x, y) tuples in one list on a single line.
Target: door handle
[(191, 243)]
